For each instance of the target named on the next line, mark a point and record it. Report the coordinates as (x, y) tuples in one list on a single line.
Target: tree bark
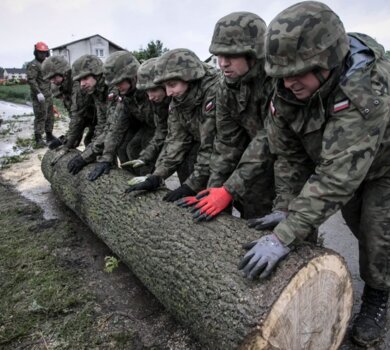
[(192, 267)]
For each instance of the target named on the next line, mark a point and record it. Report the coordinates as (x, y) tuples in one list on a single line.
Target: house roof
[(15, 70), (88, 37)]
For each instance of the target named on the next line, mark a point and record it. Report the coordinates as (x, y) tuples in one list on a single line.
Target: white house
[(14, 73), (92, 45)]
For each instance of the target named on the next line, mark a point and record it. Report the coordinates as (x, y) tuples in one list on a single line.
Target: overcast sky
[(133, 23)]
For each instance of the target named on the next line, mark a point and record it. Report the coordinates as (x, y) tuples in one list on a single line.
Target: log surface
[(192, 267)]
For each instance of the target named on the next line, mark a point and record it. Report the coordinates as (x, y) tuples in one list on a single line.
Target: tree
[(153, 49)]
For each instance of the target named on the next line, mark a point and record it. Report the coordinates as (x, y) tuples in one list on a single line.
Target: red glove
[(211, 202), (187, 201)]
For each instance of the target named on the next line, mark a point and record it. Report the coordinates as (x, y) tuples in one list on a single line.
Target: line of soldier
[(295, 128)]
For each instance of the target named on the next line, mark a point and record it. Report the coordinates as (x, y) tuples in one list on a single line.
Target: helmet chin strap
[(318, 74)]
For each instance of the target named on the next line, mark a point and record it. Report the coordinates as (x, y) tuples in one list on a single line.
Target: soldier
[(40, 96), (331, 135), (88, 71), (191, 121), (131, 126), (242, 106), (79, 105), (160, 102)]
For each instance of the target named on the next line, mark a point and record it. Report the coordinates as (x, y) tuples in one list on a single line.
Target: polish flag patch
[(272, 108), (339, 106), (209, 106)]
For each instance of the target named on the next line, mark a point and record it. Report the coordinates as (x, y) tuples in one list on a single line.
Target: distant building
[(91, 45), (14, 73)]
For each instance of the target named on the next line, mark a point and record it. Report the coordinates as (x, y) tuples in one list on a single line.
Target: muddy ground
[(55, 292)]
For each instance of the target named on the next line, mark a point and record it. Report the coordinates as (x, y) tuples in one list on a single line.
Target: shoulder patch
[(272, 108), (339, 106), (209, 106), (110, 96)]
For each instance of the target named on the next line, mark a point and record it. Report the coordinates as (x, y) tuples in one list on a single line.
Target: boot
[(370, 323), (39, 143), (50, 137)]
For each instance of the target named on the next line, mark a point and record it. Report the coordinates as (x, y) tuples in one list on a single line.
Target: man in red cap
[(41, 96)]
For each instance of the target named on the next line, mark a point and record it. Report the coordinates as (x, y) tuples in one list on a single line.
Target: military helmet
[(239, 33), (86, 65), (304, 37), (54, 65), (181, 64), (146, 74), (119, 66)]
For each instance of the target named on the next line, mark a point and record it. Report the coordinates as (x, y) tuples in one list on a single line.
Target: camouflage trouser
[(367, 214), (44, 116)]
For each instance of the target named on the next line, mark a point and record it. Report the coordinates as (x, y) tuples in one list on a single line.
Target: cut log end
[(311, 313)]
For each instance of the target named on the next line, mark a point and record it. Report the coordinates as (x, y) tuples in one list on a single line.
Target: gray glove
[(263, 256), (269, 221), (40, 97), (135, 163)]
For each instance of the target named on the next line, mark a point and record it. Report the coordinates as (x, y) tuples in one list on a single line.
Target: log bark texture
[(192, 267)]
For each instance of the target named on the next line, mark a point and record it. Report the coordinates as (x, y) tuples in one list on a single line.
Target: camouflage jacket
[(328, 146), (131, 111), (36, 81), (66, 90), (190, 121), (152, 151), (242, 108)]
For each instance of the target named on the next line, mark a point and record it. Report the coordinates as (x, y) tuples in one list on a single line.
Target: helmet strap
[(318, 73)]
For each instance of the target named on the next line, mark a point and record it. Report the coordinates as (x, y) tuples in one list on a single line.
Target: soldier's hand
[(60, 152), (76, 164), (144, 183), (180, 192), (135, 163), (100, 169), (40, 97), (269, 221), (187, 201), (262, 256), (211, 202)]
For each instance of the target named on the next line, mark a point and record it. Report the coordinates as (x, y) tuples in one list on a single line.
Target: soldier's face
[(124, 87), (303, 86), (57, 80), (156, 94), (175, 88), (88, 84), (233, 66)]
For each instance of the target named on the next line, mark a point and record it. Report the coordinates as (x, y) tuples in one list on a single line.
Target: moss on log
[(192, 268)]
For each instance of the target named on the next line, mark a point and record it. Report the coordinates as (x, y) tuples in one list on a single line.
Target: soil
[(55, 291)]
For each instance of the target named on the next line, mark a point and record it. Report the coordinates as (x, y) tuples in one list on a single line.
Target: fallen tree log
[(192, 268)]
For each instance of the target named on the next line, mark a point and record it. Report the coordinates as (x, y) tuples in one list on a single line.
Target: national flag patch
[(209, 106), (339, 106), (110, 96), (272, 108)]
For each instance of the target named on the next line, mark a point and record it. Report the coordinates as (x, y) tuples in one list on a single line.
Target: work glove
[(262, 256), (135, 163), (182, 191), (57, 142), (40, 97), (187, 201), (76, 164), (211, 202), (268, 221), (144, 183), (100, 168)]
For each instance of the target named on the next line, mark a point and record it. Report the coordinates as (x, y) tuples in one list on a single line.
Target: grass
[(15, 93)]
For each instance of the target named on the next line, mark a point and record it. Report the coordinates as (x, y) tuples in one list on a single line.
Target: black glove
[(151, 183), (180, 192), (269, 221), (55, 143), (262, 256), (76, 164), (100, 168)]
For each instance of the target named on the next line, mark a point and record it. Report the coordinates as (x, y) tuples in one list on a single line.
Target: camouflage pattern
[(178, 64), (240, 33), (304, 37), (55, 65), (191, 120), (43, 112), (86, 65), (120, 66), (146, 74), (334, 152), (241, 149)]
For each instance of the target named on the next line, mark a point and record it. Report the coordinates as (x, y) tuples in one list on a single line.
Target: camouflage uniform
[(333, 151), (191, 120), (44, 117), (241, 160), (78, 104), (84, 66)]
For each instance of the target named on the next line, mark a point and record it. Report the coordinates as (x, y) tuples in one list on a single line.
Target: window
[(99, 52)]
